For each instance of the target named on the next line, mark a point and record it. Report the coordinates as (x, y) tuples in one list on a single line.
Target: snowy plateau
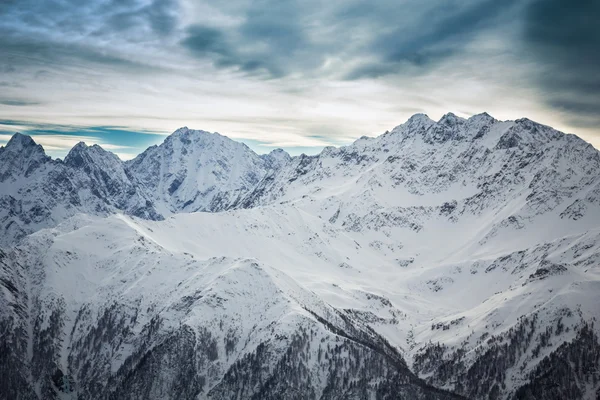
[(441, 260)]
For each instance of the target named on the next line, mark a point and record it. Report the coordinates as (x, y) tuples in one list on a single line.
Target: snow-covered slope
[(200, 171), (465, 250), (486, 214), (125, 308)]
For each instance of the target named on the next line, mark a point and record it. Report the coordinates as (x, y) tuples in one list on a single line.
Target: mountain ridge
[(461, 255)]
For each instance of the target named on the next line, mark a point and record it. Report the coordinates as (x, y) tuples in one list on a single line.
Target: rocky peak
[(21, 156), (24, 145), (197, 170), (187, 136), (93, 157), (482, 117), (18, 140), (76, 155), (276, 158), (418, 121), (450, 119)]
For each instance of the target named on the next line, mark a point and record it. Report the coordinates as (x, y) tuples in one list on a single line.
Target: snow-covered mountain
[(200, 171), (37, 192), (490, 226), (461, 256), (190, 171)]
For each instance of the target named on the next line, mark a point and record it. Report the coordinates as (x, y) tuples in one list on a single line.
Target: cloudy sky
[(297, 74)]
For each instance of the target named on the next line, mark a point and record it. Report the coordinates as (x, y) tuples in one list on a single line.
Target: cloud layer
[(302, 74)]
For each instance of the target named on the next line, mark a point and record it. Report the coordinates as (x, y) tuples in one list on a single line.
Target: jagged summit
[(19, 140), (276, 158), (186, 132), (20, 157), (81, 154), (24, 144), (450, 127), (194, 170), (482, 116), (76, 154), (278, 152), (417, 121), (419, 117), (450, 119)]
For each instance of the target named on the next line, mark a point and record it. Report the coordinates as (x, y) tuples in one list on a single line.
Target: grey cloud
[(441, 34), (348, 39), (53, 32), (18, 103), (212, 43), (7, 69), (160, 15), (25, 52), (563, 36), (281, 38), (205, 40), (217, 45), (271, 40), (10, 84)]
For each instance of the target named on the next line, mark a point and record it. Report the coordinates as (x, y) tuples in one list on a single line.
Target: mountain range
[(457, 258)]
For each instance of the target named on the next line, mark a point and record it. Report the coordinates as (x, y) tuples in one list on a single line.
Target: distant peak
[(24, 145), (18, 140), (276, 157), (79, 146), (482, 117), (81, 154), (21, 155), (277, 151), (76, 151), (419, 117), (530, 124), (450, 119), (183, 129), (83, 147), (185, 133), (416, 122)]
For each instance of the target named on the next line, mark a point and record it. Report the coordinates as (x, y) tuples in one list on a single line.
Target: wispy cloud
[(64, 143), (18, 103), (284, 73), (58, 140)]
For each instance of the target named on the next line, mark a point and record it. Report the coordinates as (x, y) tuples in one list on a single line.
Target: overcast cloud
[(295, 74)]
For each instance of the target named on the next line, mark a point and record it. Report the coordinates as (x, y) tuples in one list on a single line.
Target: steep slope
[(114, 308), (37, 192), (200, 171)]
